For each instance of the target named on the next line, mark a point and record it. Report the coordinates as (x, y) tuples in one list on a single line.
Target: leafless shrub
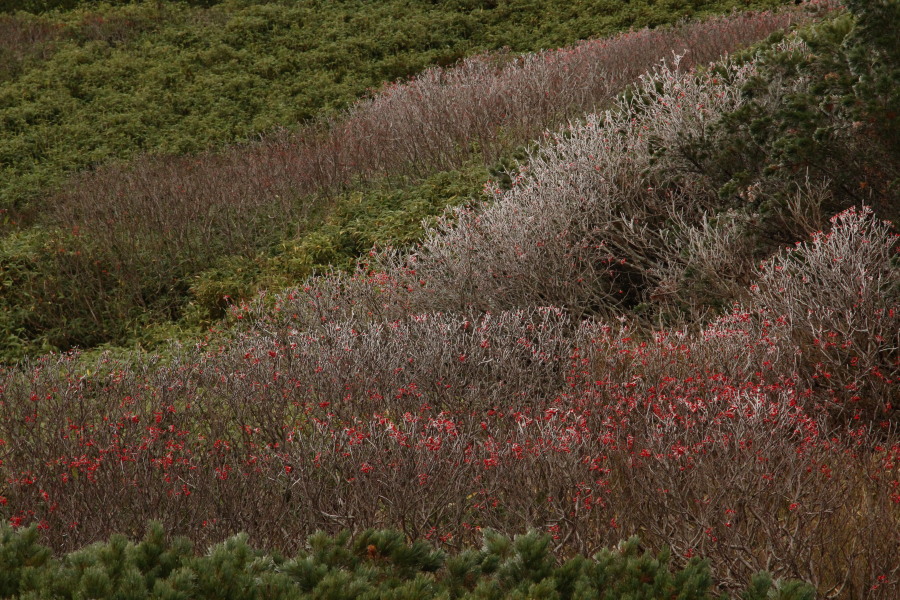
[(840, 296), (181, 212), (806, 208), (704, 263), (737, 473), (365, 296), (592, 222), (189, 441), (443, 424), (420, 125), (22, 37)]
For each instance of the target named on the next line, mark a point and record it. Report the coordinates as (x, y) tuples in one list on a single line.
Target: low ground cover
[(373, 564)]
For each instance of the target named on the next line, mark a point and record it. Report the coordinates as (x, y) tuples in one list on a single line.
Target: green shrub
[(376, 564), (173, 78), (838, 127), (874, 55), (21, 555)]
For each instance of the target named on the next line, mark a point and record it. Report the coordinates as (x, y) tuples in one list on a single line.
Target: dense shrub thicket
[(108, 81), (760, 442), (440, 393), (159, 239), (665, 207), (677, 317)]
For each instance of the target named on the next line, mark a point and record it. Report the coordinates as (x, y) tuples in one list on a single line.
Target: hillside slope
[(118, 255), (679, 318)]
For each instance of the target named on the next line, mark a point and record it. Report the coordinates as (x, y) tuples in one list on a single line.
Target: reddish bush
[(839, 298), (443, 425)]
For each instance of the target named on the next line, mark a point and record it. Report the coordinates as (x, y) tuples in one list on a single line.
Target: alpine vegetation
[(676, 317)]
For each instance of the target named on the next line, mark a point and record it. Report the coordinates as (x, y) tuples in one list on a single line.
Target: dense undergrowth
[(676, 317), (125, 249), (108, 81)]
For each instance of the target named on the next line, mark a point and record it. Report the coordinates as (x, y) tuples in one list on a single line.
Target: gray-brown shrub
[(154, 221)]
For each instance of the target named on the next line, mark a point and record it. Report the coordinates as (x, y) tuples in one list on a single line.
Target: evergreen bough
[(376, 564)]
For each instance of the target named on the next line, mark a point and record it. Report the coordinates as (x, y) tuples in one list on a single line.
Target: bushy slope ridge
[(120, 249), (653, 207), (111, 81), (765, 437)]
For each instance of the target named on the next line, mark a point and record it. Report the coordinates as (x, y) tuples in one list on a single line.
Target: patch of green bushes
[(380, 215), (172, 78), (374, 564), (60, 291), (784, 164), (840, 129)]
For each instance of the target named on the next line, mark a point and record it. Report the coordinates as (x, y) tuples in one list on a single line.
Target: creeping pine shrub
[(874, 55), (20, 551), (823, 111), (372, 564)]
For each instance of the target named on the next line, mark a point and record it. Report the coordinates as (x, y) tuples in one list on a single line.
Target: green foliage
[(381, 215), (839, 129), (60, 291), (20, 556), (115, 569), (172, 78), (763, 587), (376, 564), (874, 56), (392, 546), (385, 215)]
